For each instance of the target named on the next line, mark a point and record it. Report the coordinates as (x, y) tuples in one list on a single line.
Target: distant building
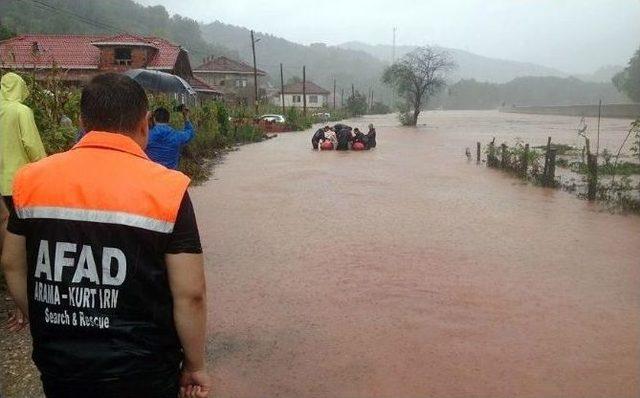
[(234, 77), (80, 57), (317, 97)]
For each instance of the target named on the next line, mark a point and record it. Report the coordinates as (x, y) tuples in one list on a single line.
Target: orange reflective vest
[(98, 219)]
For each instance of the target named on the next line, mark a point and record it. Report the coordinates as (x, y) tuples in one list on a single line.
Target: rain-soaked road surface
[(408, 272)]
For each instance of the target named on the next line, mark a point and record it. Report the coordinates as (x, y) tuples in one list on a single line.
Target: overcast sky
[(576, 36)]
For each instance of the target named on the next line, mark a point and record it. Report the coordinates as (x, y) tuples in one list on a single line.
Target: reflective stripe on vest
[(99, 216)]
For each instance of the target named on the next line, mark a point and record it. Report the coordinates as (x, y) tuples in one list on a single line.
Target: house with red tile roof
[(234, 77), (317, 97), (80, 57)]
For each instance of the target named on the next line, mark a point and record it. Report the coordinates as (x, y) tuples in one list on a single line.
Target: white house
[(317, 97)]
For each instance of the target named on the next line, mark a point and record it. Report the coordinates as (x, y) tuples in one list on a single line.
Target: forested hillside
[(470, 66)]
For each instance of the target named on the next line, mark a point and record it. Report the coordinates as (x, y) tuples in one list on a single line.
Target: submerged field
[(408, 272)]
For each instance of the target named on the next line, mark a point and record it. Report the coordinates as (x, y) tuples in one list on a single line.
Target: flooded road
[(407, 272)]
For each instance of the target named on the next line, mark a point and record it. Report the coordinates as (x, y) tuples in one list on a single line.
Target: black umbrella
[(154, 80)]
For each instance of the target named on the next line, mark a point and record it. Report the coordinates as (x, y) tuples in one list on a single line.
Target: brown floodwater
[(407, 271)]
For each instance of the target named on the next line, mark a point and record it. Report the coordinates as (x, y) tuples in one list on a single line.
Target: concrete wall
[(139, 58), (624, 111)]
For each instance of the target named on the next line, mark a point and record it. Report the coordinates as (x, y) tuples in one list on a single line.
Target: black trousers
[(161, 386)]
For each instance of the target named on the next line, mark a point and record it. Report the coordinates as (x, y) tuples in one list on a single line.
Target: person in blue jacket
[(165, 142)]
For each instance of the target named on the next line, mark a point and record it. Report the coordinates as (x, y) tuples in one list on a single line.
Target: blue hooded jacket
[(165, 143)]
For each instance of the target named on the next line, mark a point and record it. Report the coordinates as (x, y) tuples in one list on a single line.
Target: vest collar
[(113, 141)]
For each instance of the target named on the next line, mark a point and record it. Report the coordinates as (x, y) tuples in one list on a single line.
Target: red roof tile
[(124, 39), (78, 51), (224, 64), (167, 55)]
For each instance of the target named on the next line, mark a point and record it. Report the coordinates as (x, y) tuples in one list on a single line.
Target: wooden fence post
[(503, 156), (491, 155), (592, 176), (550, 179), (546, 160), (478, 152), (524, 164), (587, 145)]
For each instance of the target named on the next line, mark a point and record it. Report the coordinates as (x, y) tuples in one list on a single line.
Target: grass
[(622, 169)]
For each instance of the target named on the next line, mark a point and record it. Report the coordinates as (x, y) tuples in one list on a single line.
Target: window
[(123, 56), (313, 99), (241, 83), (297, 98)]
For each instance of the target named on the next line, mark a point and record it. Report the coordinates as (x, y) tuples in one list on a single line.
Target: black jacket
[(371, 139), (344, 136), (360, 137), (317, 137)]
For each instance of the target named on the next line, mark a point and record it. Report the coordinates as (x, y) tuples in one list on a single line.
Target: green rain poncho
[(20, 141)]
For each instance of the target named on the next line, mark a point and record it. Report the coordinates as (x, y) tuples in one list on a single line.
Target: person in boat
[(371, 137), (330, 135), (358, 136), (318, 136), (344, 138)]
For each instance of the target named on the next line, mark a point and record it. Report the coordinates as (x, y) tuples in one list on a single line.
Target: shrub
[(635, 130), (222, 117), (50, 101), (296, 120), (406, 118), (357, 104)]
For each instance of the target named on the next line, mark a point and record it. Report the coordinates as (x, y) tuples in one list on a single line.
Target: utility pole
[(255, 72), (334, 94), (342, 98), (304, 90), (393, 61), (393, 55), (282, 89), (598, 139)]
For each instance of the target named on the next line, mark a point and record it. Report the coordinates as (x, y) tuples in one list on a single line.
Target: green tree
[(5, 32), (357, 104), (418, 76), (378, 108), (628, 81)]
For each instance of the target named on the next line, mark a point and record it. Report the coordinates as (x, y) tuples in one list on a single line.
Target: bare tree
[(417, 76)]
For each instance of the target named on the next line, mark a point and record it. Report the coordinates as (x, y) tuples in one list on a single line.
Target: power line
[(48, 7)]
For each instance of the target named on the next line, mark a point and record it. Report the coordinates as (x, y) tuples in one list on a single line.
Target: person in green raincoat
[(20, 143)]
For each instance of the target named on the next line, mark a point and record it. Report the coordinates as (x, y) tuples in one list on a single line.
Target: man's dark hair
[(114, 103), (161, 115)]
